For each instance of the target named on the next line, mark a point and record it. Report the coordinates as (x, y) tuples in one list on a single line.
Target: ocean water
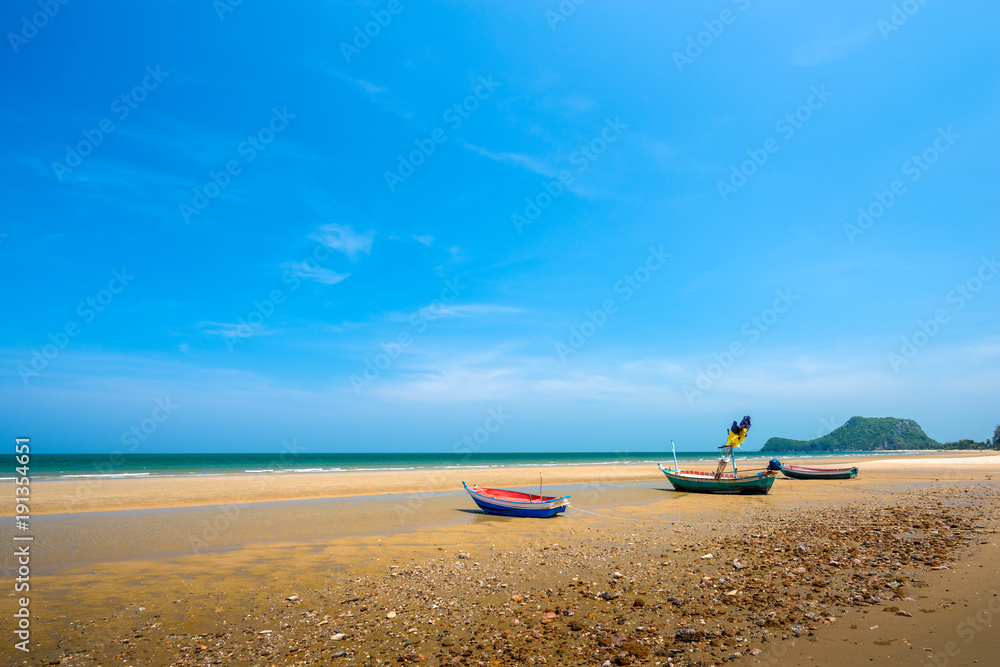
[(70, 466)]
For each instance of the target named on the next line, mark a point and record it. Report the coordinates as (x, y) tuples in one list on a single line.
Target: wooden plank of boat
[(802, 472), (514, 503), (695, 481)]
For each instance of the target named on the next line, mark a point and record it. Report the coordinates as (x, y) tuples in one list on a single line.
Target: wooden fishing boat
[(801, 472), (515, 503), (694, 481)]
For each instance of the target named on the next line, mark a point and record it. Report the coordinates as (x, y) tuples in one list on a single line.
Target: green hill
[(861, 434)]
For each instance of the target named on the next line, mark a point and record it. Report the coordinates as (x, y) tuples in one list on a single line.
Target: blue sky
[(619, 225)]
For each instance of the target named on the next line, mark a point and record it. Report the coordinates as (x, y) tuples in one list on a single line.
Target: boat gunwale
[(544, 502), (821, 470), (702, 476)]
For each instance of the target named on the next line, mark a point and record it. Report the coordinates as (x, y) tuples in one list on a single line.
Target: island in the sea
[(872, 434)]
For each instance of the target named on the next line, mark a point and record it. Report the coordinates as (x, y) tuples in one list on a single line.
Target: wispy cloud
[(500, 374), (366, 86), (344, 239), (426, 239), (369, 87), (519, 160), (441, 312), (377, 95), (229, 329), (313, 272), (119, 185), (843, 381)]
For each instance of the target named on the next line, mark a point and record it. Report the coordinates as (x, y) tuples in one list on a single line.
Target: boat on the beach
[(801, 472), (515, 503), (695, 481)]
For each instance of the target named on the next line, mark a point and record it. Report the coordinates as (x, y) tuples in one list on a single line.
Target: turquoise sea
[(63, 466)]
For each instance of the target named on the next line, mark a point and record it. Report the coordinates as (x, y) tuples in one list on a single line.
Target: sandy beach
[(371, 569), (104, 494)]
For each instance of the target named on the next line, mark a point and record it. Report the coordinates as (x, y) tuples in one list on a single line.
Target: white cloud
[(313, 272), (377, 95), (426, 239), (344, 239), (230, 329), (440, 311), (366, 86), (767, 381), (515, 160), (369, 87), (465, 310)]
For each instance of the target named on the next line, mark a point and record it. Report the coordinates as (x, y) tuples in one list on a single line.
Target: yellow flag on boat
[(738, 433)]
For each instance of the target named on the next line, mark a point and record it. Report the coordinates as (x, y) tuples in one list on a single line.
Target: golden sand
[(208, 568), (102, 494)]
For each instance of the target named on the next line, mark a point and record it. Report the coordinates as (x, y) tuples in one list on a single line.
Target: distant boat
[(515, 503), (694, 481), (800, 472)]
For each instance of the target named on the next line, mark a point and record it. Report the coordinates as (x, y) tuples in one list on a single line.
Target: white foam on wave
[(106, 474)]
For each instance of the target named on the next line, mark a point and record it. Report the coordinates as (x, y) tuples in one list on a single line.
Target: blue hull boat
[(515, 503)]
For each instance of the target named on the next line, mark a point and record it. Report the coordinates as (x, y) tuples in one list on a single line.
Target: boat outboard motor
[(774, 464)]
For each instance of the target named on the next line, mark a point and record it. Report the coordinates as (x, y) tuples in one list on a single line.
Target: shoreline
[(98, 494), (641, 458)]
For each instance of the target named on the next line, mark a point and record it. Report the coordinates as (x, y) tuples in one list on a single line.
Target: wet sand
[(103, 494), (263, 583)]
